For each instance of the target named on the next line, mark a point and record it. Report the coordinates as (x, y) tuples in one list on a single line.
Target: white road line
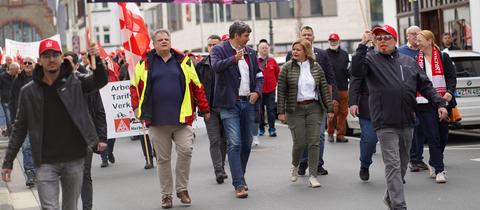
[(476, 159)]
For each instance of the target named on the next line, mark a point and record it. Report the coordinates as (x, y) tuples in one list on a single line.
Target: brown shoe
[(166, 202), (241, 192), (184, 197)]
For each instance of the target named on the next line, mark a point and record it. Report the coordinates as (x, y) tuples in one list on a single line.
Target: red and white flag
[(135, 36), (112, 66)]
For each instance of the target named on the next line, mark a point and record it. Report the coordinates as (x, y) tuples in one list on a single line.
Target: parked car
[(467, 95)]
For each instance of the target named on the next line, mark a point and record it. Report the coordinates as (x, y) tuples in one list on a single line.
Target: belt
[(243, 98), (306, 102)]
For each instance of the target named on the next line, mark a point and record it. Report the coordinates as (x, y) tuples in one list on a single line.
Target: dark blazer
[(227, 74)]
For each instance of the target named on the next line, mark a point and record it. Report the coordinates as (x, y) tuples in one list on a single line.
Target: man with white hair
[(4, 67), (411, 47)]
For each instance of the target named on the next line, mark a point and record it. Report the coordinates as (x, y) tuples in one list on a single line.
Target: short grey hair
[(30, 58), (14, 65), (238, 27), (158, 31), (412, 28)]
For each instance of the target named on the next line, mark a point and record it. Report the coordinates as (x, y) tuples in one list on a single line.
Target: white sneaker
[(293, 173), (313, 181), (441, 177), (431, 172), (255, 141)]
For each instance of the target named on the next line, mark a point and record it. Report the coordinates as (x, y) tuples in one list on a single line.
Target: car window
[(467, 66)]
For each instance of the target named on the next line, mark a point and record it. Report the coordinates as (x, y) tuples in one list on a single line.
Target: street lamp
[(270, 26)]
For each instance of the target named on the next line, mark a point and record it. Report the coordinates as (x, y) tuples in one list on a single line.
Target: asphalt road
[(125, 185)]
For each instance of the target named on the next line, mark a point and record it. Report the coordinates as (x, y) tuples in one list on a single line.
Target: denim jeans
[(6, 112), (268, 100), (368, 142), (321, 146), (27, 155), (67, 174), (87, 187), (238, 122), (109, 150)]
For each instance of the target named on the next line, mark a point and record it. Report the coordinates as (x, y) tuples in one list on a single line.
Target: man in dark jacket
[(238, 86), (6, 81), (218, 142), (56, 97), (339, 60), (321, 57), (393, 80), (23, 78)]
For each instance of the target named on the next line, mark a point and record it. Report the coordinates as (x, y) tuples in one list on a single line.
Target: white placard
[(12, 48), (121, 121)]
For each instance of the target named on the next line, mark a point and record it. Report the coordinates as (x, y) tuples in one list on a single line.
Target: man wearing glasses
[(53, 110), (393, 80)]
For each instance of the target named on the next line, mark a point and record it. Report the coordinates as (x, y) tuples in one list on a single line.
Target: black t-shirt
[(62, 141)]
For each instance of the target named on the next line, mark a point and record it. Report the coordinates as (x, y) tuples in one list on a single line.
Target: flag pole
[(364, 17), (93, 65)]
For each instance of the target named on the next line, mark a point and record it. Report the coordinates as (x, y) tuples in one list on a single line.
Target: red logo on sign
[(122, 125)]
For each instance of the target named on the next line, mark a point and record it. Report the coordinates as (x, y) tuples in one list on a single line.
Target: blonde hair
[(307, 47), (428, 36)]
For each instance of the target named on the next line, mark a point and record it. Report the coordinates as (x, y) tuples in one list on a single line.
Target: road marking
[(476, 159)]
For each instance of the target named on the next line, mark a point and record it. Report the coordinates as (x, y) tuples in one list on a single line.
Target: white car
[(467, 95)]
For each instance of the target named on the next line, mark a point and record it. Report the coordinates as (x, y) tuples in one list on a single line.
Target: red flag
[(113, 73), (88, 36)]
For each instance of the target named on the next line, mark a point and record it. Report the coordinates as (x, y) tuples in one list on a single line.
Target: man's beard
[(334, 47)]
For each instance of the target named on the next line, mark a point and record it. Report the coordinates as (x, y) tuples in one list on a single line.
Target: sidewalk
[(15, 195)]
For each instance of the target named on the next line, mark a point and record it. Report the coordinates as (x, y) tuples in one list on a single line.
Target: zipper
[(401, 70)]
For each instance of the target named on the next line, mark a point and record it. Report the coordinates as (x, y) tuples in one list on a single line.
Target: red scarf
[(438, 75)]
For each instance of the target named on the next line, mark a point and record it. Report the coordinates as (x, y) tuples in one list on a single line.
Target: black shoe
[(30, 182), (111, 158), (302, 168), (413, 167), (330, 139), (321, 171), (422, 166), (342, 140), (225, 176), (364, 174), (148, 166), (272, 132), (104, 164), (219, 178)]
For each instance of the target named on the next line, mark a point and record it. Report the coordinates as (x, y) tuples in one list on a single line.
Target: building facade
[(191, 24), (26, 20)]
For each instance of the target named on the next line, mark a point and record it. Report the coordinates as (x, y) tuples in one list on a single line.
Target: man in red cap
[(339, 60), (393, 80), (53, 110)]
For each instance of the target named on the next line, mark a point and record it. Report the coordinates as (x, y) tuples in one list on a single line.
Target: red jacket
[(270, 74)]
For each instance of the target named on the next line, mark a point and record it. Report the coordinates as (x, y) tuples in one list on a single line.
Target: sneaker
[(104, 164), (241, 192), (313, 181), (302, 168), (441, 177), (431, 172), (342, 140), (261, 132), (330, 138), (413, 167), (111, 158), (422, 166), (293, 173), (364, 174), (30, 182), (322, 171), (272, 132), (255, 141)]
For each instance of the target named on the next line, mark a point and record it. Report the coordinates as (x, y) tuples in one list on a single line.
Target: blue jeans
[(27, 155), (321, 146), (238, 123), (69, 175), (6, 112), (268, 100), (109, 150), (416, 151), (368, 142), (436, 134)]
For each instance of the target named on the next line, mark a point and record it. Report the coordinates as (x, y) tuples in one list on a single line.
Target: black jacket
[(72, 90), (207, 77), (392, 82), (358, 95), (6, 81), (339, 60), (18, 83)]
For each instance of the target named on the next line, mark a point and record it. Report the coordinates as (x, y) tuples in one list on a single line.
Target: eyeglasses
[(27, 63), (50, 55), (211, 45), (387, 37)]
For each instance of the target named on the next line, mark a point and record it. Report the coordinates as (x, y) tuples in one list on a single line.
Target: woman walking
[(302, 96)]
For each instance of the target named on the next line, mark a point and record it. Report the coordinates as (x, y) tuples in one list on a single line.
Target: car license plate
[(468, 92)]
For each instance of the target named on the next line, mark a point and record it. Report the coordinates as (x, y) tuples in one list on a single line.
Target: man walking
[(238, 86), (53, 110), (410, 48), (218, 142), (393, 80), (163, 92), (339, 60), (321, 57)]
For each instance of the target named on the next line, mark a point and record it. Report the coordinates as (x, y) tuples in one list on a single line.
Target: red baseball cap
[(387, 29), (334, 36), (49, 44), (225, 37)]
